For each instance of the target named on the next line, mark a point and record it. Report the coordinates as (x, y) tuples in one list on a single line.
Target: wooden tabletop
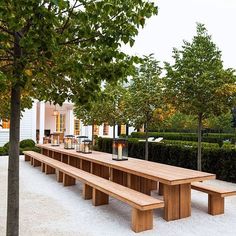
[(163, 173)]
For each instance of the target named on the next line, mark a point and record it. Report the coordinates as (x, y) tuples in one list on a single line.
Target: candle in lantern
[(86, 148), (69, 143), (119, 154)]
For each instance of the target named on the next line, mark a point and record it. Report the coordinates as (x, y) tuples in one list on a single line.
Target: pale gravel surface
[(49, 209)]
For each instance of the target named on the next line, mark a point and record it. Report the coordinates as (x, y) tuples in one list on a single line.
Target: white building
[(44, 119)]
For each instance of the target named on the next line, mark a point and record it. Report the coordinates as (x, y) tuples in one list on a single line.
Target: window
[(60, 123), (95, 130), (123, 129), (105, 129), (5, 124), (76, 127)]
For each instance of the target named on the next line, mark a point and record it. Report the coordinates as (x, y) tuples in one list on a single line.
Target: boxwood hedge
[(221, 161), (206, 137)]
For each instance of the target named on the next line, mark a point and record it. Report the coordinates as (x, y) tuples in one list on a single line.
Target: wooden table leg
[(177, 200)]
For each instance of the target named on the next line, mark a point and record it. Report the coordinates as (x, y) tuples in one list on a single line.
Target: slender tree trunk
[(93, 141), (13, 165), (199, 146), (114, 130), (146, 141)]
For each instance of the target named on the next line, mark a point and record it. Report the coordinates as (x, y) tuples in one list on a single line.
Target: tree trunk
[(199, 146), (146, 141), (13, 165), (93, 141), (114, 130)]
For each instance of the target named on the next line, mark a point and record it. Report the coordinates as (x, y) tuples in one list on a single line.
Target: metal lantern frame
[(87, 146), (69, 142), (79, 144), (55, 140), (120, 149)]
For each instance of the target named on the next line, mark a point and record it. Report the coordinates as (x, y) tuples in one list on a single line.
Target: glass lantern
[(79, 145), (87, 146), (120, 150), (69, 142), (55, 140)]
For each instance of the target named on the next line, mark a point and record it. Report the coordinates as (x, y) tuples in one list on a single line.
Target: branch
[(6, 59), (68, 18), (6, 30), (78, 40), (2, 67)]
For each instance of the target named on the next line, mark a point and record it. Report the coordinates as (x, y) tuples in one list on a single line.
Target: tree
[(106, 107), (197, 83), (55, 50), (144, 95)]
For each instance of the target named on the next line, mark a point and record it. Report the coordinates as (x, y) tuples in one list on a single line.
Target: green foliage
[(64, 49), (3, 151), (216, 160), (27, 143), (197, 81), (209, 138), (197, 84), (144, 93), (106, 107)]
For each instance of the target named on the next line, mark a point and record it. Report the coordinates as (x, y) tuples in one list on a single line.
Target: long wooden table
[(137, 174)]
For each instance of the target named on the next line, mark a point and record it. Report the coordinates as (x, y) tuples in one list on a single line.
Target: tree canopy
[(144, 94), (197, 84), (55, 50)]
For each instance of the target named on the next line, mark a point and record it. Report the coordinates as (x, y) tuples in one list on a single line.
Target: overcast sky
[(176, 21)]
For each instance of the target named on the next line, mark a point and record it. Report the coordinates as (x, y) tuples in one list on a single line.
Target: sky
[(176, 21)]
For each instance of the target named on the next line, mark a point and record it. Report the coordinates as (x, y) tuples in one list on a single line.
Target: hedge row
[(206, 137), (216, 160), (25, 145)]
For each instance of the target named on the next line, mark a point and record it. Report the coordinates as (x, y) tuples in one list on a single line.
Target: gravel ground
[(49, 209)]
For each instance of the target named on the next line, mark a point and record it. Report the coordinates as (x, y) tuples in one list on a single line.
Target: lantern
[(69, 142), (120, 150), (55, 140), (87, 146), (79, 144)]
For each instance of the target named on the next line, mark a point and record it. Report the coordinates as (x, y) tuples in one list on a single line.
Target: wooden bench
[(99, 189), (216, 197)]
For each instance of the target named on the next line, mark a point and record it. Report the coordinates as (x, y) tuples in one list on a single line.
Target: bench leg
[(36, 163), (99, 198), (49, 170), (141, 220), (31, 161), (27, 158), (87, 192), (216, 205), (43, 167), (68, 180), (59, 176)]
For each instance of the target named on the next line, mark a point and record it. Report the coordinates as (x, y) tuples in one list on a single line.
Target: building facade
[(44, 119)]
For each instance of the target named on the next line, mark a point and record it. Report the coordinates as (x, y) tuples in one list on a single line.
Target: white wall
[(27, 127)]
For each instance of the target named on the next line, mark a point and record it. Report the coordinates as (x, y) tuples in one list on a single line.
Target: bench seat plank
[(212, 190), (135, 199)]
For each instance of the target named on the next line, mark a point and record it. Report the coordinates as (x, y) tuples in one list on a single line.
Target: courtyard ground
[(49, 209)]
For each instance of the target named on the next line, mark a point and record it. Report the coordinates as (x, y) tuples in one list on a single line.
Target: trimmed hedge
[(206, 137), (221, 161), (25, 145)]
